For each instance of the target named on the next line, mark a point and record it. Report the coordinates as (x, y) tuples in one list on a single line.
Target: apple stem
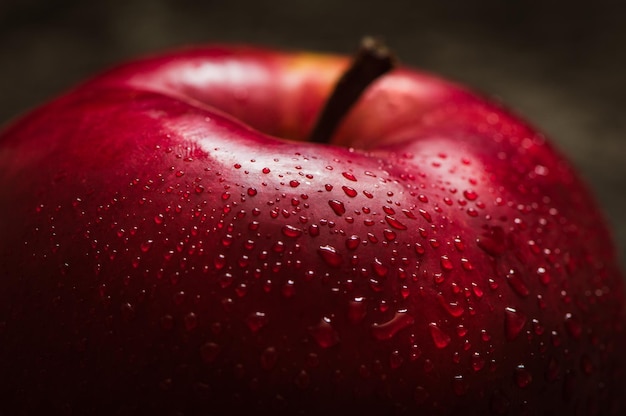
[(372, 60)]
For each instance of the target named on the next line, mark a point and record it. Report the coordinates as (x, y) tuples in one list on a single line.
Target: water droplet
[(544, 276), (288, 289), (466, 264), (209, 352), (420, 395), (459, 385), (379, 268), (351, 192), (353, 242), (471, 195), (269, 357), (324, 334), (454, 309), (314, 230), (440, 338), (356, 310), (425, 215), (586, 365), (302, 380), (573, 326), (337, 206), (330, 255), (252, 191), (387, 330), (191, 321), (266, 170), (514, 322), (395, 223), (445, 262), (395, 359), (478, 361), (291, 231), (294, 183), (522, 376), (256, 321), (515, 281), (349, 176), (158, 219), (145, 246)]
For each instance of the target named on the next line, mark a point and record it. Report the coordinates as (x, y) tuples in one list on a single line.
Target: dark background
[(560, 64)]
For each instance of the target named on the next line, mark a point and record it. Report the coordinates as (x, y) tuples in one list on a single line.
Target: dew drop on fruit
[(294, 183), (288, 289), (266, 170), (353, 242), (390, 235), (252, 191), (256, 320), (553, 370), (515, 281), (514, 322), (470, 195), (544, 276), (387, 330), (420, 395), (459, 385), (573, 326), (314, 230), (440, 338), (586, 365), (191, 321), (466, 264), (209, 352), (454, 309), (291, 231), (426, 215), (158, 219), (478, 361), (302, 380), (324, 334), (269, 357), (445, 262), (351, 192), (393, 222), (349, 176), (337, 206), (356, 310), (522, 376), (395, 359), (379, 268), (145, 246), (330, 255)]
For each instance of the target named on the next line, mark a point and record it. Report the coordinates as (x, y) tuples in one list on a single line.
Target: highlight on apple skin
[(171, 243)]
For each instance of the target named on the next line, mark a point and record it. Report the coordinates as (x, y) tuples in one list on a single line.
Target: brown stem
[(371, 61)]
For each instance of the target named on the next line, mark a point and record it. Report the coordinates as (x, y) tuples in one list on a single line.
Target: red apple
[(172, 244)]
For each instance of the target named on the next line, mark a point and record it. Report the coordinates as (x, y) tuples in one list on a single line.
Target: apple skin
[(171, 244)]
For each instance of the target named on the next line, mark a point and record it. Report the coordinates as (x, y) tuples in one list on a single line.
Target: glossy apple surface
[(171, 244)]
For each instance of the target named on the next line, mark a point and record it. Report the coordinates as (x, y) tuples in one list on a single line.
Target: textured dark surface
[(560, 65)]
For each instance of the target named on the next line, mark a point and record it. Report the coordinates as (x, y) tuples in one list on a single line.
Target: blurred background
[(560, 64)]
